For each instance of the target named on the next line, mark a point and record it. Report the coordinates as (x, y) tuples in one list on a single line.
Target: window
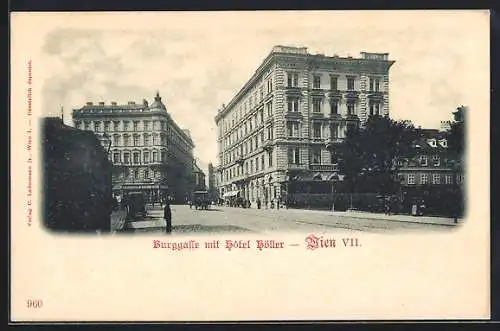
[(261, 92), (334, 105), (97, 126), (126, 158), (136, 174), (293, 105), (116, 125), (251, 166), (262, 136), (136, 158), (436, 179), (147, 140), (163, 157), (125, 126), (317, 130), (293, 79), (350, 108), (155, 156), (246, 167), (435, 160), (125, 141), (250, 126), (411, 179), (317, 81), (106, 126), (374, 108), (293, 155), (423, 160), (270, 157), (334, 130), (146, 174), (116, 157), (333, 83), (316, 156), (147, 125), (292, 129), (447, 179), (256, 164), (333, 158), (136, 140), (262, 162), (424, 179), (136, 126), (269, 107), (350, 83), (270, 133), (146, 157), (317, 105), (116, 140)]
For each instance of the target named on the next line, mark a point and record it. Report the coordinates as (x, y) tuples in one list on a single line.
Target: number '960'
[(32, 303)]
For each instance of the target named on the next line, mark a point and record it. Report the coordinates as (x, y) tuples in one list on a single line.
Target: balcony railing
[(332, 141), (323, 167)]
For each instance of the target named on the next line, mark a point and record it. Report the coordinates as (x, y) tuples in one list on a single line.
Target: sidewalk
[(118, 220), (385, 217)]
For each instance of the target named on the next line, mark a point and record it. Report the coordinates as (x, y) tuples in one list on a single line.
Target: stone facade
[(285, 123), (150, 153)]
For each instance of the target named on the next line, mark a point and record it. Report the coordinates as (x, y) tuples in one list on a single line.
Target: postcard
[(249, 166)]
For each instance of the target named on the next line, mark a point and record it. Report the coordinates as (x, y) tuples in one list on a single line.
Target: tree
[(456, 135), (369, 155)]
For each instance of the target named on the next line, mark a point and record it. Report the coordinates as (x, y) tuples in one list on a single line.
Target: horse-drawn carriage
[(201, 200)]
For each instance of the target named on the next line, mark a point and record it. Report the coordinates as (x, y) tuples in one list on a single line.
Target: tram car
[(77, 179)]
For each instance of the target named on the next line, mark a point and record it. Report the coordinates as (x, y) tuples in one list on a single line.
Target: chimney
[(89, 103), (131, 103), (101, 103), (113, 103)]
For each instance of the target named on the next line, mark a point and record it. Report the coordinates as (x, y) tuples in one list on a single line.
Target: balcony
[(323, 167), (332, 142), (293, 91), (317, 92), (334, 94), (317, 115), (352, 95), (240, 160), (352, 118), (295, 115), (376, 96), (268, 145), (335, 116)]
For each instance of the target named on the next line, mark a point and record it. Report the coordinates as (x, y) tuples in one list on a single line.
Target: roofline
[(273, 55)]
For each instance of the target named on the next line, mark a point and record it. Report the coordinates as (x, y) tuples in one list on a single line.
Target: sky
[(200, 60)]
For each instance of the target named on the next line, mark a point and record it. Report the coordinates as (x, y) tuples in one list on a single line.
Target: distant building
[(199, 178), (432, 173), (288, 119), (212, 187), (149, 151)]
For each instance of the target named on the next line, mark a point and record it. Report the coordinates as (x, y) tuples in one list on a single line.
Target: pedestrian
[(167, 215), (258, 203)]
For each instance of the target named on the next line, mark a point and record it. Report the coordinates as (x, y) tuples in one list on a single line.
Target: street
[(229, 219)]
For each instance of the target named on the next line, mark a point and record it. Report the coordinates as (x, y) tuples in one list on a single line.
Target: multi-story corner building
[(149, 151), (286, 121)]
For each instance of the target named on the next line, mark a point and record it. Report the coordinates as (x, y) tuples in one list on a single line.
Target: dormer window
[(436, 160), (423, 160), (432, 142), (443, 143)]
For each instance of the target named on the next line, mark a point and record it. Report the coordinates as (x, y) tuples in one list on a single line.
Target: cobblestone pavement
[(228, 219)]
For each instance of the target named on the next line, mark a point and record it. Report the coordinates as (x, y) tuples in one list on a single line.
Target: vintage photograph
[(310, 131)]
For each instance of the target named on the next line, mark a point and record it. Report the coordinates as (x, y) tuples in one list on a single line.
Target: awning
[(231, 194)]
